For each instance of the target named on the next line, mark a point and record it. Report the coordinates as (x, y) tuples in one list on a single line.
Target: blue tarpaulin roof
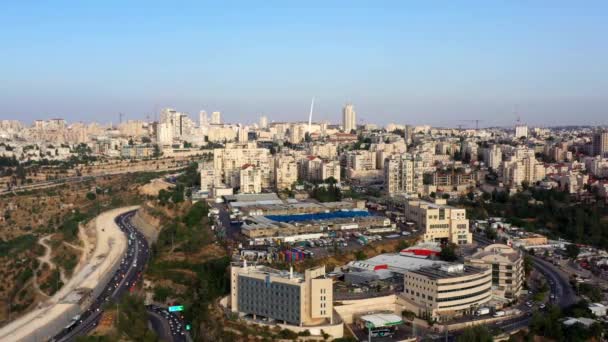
[(318, 216)]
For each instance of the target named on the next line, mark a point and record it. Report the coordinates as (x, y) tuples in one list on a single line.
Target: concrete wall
[(147, 225)]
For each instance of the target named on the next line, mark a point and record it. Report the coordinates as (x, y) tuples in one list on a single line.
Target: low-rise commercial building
[(445, 291), (507, 265), (440, 222)]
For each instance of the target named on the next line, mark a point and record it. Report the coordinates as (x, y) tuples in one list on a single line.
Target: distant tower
[(600, 143), (312, 105), (243, 134), (202, 118), (216, 118), (263, 121), (349, 118)]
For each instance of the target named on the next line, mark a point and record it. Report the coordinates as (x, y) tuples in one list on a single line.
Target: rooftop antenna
[(312, 105)]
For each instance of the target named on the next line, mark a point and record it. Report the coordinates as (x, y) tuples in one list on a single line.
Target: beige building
[(361, 160), (285, 172), (209, 177), (403, 174), (282, 296), (164, 134), (600, 143), (229, 161), (216, 118), (445, 291), (316, 169), (250, 179), (439, 221), (349, 118), (221, 133), (507, 267), (527, 169), (326, 151)]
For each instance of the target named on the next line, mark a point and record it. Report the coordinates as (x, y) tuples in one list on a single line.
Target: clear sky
[(434, 62)]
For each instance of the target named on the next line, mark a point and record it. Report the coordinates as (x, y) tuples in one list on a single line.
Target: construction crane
[(476, 121)]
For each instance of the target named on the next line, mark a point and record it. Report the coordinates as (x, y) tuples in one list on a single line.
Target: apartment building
[(493, 157), (527, 169), (282, 296), (439, 221), (316, 169), (600, 143), (349, 118), (209, 176), (326, 151), (164, 134), (285, 172), (442, 292), (403, 174), (228, 163), (250, 179), (507, 265)]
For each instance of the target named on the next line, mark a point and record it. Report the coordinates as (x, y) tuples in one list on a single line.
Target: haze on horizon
[(405, 62)]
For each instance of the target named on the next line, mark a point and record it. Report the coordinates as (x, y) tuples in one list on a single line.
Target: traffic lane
[(175, 325), (125, 276), (160, 326), (560, 286)]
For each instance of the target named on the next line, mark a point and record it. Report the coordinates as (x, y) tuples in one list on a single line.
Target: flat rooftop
[(252, 197), (319, 216), (396, 263), (438, 272)]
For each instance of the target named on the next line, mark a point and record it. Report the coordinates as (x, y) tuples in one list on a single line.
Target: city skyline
[(413, 63)]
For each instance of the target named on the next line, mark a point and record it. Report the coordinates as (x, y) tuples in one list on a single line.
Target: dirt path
[(46, 258)]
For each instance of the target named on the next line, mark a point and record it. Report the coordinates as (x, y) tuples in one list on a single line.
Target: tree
[(477, 333), (572, 251), (448, 252), (91, 196)]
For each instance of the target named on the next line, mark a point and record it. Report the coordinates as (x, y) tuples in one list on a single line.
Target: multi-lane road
[(124, 279), (168, 326)]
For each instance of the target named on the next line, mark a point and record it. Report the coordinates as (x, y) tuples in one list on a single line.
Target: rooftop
[(382, 320), (396, 263), (448, 271)]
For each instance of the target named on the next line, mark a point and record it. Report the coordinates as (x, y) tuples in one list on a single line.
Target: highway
[(125, 279), (167, 325)]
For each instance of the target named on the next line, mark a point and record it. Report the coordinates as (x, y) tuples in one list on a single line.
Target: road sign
[(176, 308)]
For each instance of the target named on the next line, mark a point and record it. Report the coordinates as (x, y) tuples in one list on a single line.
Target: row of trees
[(550, 210)]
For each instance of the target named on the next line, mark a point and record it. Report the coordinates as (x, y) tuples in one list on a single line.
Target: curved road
[(125, 278)]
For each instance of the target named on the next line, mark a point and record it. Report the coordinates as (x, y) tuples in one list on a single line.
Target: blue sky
[(434, 62)]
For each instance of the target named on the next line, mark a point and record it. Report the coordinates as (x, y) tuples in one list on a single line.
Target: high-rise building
[(164, 133), (263, 121), (216, 118), (521, 131), (250, 179), (600, 143), (285, 172), (403, 174), (203, 120), (228, 162), (493, 157), (527, 169), (349, 118), (243, 134)]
